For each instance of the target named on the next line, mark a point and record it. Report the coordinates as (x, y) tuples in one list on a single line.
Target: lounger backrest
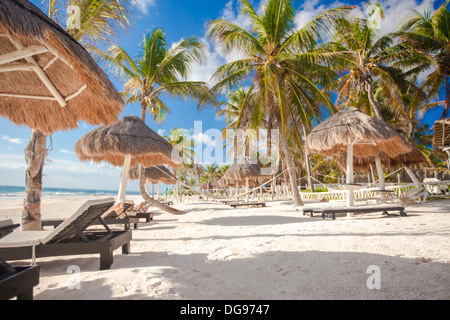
[(117, 210), (68, 231)]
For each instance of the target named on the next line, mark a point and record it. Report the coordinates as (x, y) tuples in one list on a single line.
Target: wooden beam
[(12, 95), (76, 93), (17, 67), (22, 53), (41, 74), (50, 63)]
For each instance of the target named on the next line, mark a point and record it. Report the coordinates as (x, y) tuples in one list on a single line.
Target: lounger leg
[(126, 248), (106, 259), (26, 295)]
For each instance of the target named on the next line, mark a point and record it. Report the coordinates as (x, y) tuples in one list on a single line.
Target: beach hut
[(359, 135), (127, 143), (48, 82)]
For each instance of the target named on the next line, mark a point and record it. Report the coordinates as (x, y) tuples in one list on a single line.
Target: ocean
[(14, 192)]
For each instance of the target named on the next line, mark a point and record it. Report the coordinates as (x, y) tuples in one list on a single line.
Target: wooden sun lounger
[(110, 217), (17, 281), (69, 238), (331, 212), (120, 213), (242, 204)]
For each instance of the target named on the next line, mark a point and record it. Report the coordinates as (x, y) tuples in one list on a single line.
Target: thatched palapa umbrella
[(243, 172), (126, 143), (154, 175), (48, 82), (360, 135)]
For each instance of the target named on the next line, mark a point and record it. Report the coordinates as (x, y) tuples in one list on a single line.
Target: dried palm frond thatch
[(48, 80), (154, 175), (129, 136), (351, 126)]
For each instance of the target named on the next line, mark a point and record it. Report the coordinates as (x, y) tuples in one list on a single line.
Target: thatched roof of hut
[(48, 80), (350, 125), (154, 175), (129, 136), (441, 135)]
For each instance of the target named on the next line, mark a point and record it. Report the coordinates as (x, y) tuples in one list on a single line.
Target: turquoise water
[(14, 192)]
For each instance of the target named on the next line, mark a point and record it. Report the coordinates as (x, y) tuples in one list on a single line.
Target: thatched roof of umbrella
[(362, 163), (154, 175), (441, 135), (222, 182), (129, 136), (48, 80), (210, 185), (349, 125), (239, 171)]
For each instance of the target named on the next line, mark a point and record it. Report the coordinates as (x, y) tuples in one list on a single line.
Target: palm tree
[(100, 23), (367, 65), (158, 71), (279, 63), (92, 21), (429, 34)]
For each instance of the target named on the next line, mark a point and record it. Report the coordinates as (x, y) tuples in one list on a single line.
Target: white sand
[(215, 252)]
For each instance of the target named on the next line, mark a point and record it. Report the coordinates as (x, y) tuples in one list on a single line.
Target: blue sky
[(179, 19)]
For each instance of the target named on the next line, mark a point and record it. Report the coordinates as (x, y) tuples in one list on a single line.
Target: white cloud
[(58, 166), (66, 151), (12, 162), (203, 138), (218, 55), (396, 11), (13, 140), (144, 5)]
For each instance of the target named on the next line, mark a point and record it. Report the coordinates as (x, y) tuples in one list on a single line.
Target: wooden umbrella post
[(349, 176), (123, 182)]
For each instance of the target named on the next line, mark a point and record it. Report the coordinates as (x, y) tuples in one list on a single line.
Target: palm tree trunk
[(374, 102), (143, 109), (152, 202), (308, 164), (35, 154), (291, 169)]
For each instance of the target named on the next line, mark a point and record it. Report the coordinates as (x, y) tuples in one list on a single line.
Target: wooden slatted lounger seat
[(69, 238), (331, 212), (242, 204)]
